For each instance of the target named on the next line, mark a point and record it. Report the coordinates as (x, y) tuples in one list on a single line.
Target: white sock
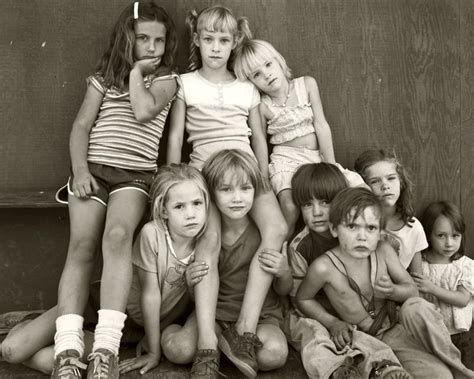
[(108, 331), (69, 334)]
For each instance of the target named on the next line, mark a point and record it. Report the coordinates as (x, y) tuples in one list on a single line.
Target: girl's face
[(383, 179), (215, 48), (316, 215), (445, 241), (150, 40), (185, 210), (268, 77), (234, 196)]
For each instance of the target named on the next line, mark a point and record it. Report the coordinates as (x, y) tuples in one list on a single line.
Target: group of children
[(212, 269)]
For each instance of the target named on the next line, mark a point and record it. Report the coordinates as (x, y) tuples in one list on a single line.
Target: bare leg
[(290, 211), (125, 210), (86, 224), (205, 292), (273, 230)]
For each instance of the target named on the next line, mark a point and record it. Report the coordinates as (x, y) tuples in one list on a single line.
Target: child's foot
[(388, 370), (103, 364), (240, 350), (206, 364), (348, 370), (68, 365)]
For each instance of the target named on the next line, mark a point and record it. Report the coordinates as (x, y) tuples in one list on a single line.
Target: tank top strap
[(301, 91)]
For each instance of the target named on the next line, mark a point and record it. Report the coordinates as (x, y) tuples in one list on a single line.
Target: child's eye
[(456, 235), (178, 206), (256, 75), (307, 205), (351, 226), (372, 228), (198, 202), (324, 202), (440, 235), (268, 64), (160, 40)]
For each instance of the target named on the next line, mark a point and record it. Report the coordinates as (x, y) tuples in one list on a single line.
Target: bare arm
[(258, 140), (176, 134), (459, 298), (415, 264), (148, 103), (321, 126), (276, 263), (84, 184), (398, 285), (316, 277)]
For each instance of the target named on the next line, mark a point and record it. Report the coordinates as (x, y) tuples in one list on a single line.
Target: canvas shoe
[(68, 365), (103, 364), (388, 370), (240, 349), (206, 365)]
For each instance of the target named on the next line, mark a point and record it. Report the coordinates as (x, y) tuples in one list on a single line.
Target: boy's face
[(359, 237), (316, 215), (234, 196)]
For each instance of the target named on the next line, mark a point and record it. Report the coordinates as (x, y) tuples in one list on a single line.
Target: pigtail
[(194, 60), (243, 36)]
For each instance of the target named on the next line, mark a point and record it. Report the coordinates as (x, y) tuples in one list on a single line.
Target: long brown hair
[(117, 62)]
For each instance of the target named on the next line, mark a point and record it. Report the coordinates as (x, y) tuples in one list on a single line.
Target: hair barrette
[(135, 10)]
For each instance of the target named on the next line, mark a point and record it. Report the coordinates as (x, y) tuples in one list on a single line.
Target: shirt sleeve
[(180, 94), (421, 243), (97, 82), (298, 267), (467, 274), (145, 249)]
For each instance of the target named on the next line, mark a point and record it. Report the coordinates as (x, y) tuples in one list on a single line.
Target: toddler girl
[(114, 147), (294, 117), (221, 112), (389, 180), (447, 275)]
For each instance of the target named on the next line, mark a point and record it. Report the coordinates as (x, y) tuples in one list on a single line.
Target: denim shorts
[(110, 180)]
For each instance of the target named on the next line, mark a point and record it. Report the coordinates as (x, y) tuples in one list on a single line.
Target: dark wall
[(392, 74)]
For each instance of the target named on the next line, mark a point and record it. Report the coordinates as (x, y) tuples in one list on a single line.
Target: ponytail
[(194, 60)]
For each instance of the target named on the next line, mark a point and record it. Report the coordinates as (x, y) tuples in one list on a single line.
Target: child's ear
[(164, 214), (333, 230), (196, 39)]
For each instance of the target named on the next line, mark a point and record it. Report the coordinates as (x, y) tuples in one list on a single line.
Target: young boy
[(362, 280), (314, 187), (234, 179)]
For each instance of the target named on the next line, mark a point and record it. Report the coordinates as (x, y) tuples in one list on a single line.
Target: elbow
[(144, 116)]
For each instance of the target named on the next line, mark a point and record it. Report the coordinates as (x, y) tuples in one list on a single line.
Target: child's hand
[(195, 272), (384, 287), (84, 184), (274, 262), (148, 65), (341, 333), (144, 363), (423, 284)]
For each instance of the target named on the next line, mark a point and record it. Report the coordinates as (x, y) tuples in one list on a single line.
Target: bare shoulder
[(264, 111), (385, 251), (322, 267)]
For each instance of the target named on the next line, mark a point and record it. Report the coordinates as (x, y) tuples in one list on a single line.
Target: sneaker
[(347, 370), (68, 365), (206, 364), (240, 350), (103, 364), (388, 370)]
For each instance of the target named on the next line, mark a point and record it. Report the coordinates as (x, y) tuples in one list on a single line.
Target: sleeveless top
[(290, 122)]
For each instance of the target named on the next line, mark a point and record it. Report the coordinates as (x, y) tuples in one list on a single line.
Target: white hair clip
[(135, 10)]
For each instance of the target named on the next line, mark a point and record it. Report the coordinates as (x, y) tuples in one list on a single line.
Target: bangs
[(252, 60), (217, 22)]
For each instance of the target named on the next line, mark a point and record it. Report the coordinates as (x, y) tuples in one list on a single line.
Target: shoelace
[(100, 364), (211, 364), (70, 366)]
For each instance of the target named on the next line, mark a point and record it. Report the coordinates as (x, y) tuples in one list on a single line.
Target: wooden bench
[(33, 199)]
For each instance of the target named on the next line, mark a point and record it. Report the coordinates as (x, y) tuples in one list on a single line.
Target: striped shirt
[(117, 139)]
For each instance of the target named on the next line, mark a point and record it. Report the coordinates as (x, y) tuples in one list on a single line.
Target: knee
[(272, 355), (413, 307), (177, 348), (82, 249), (11, 350), (116, 236)]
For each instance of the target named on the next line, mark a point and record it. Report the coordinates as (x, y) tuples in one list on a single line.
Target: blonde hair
[(238, 162), (253, 53), (214, 19), (167, 177)]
